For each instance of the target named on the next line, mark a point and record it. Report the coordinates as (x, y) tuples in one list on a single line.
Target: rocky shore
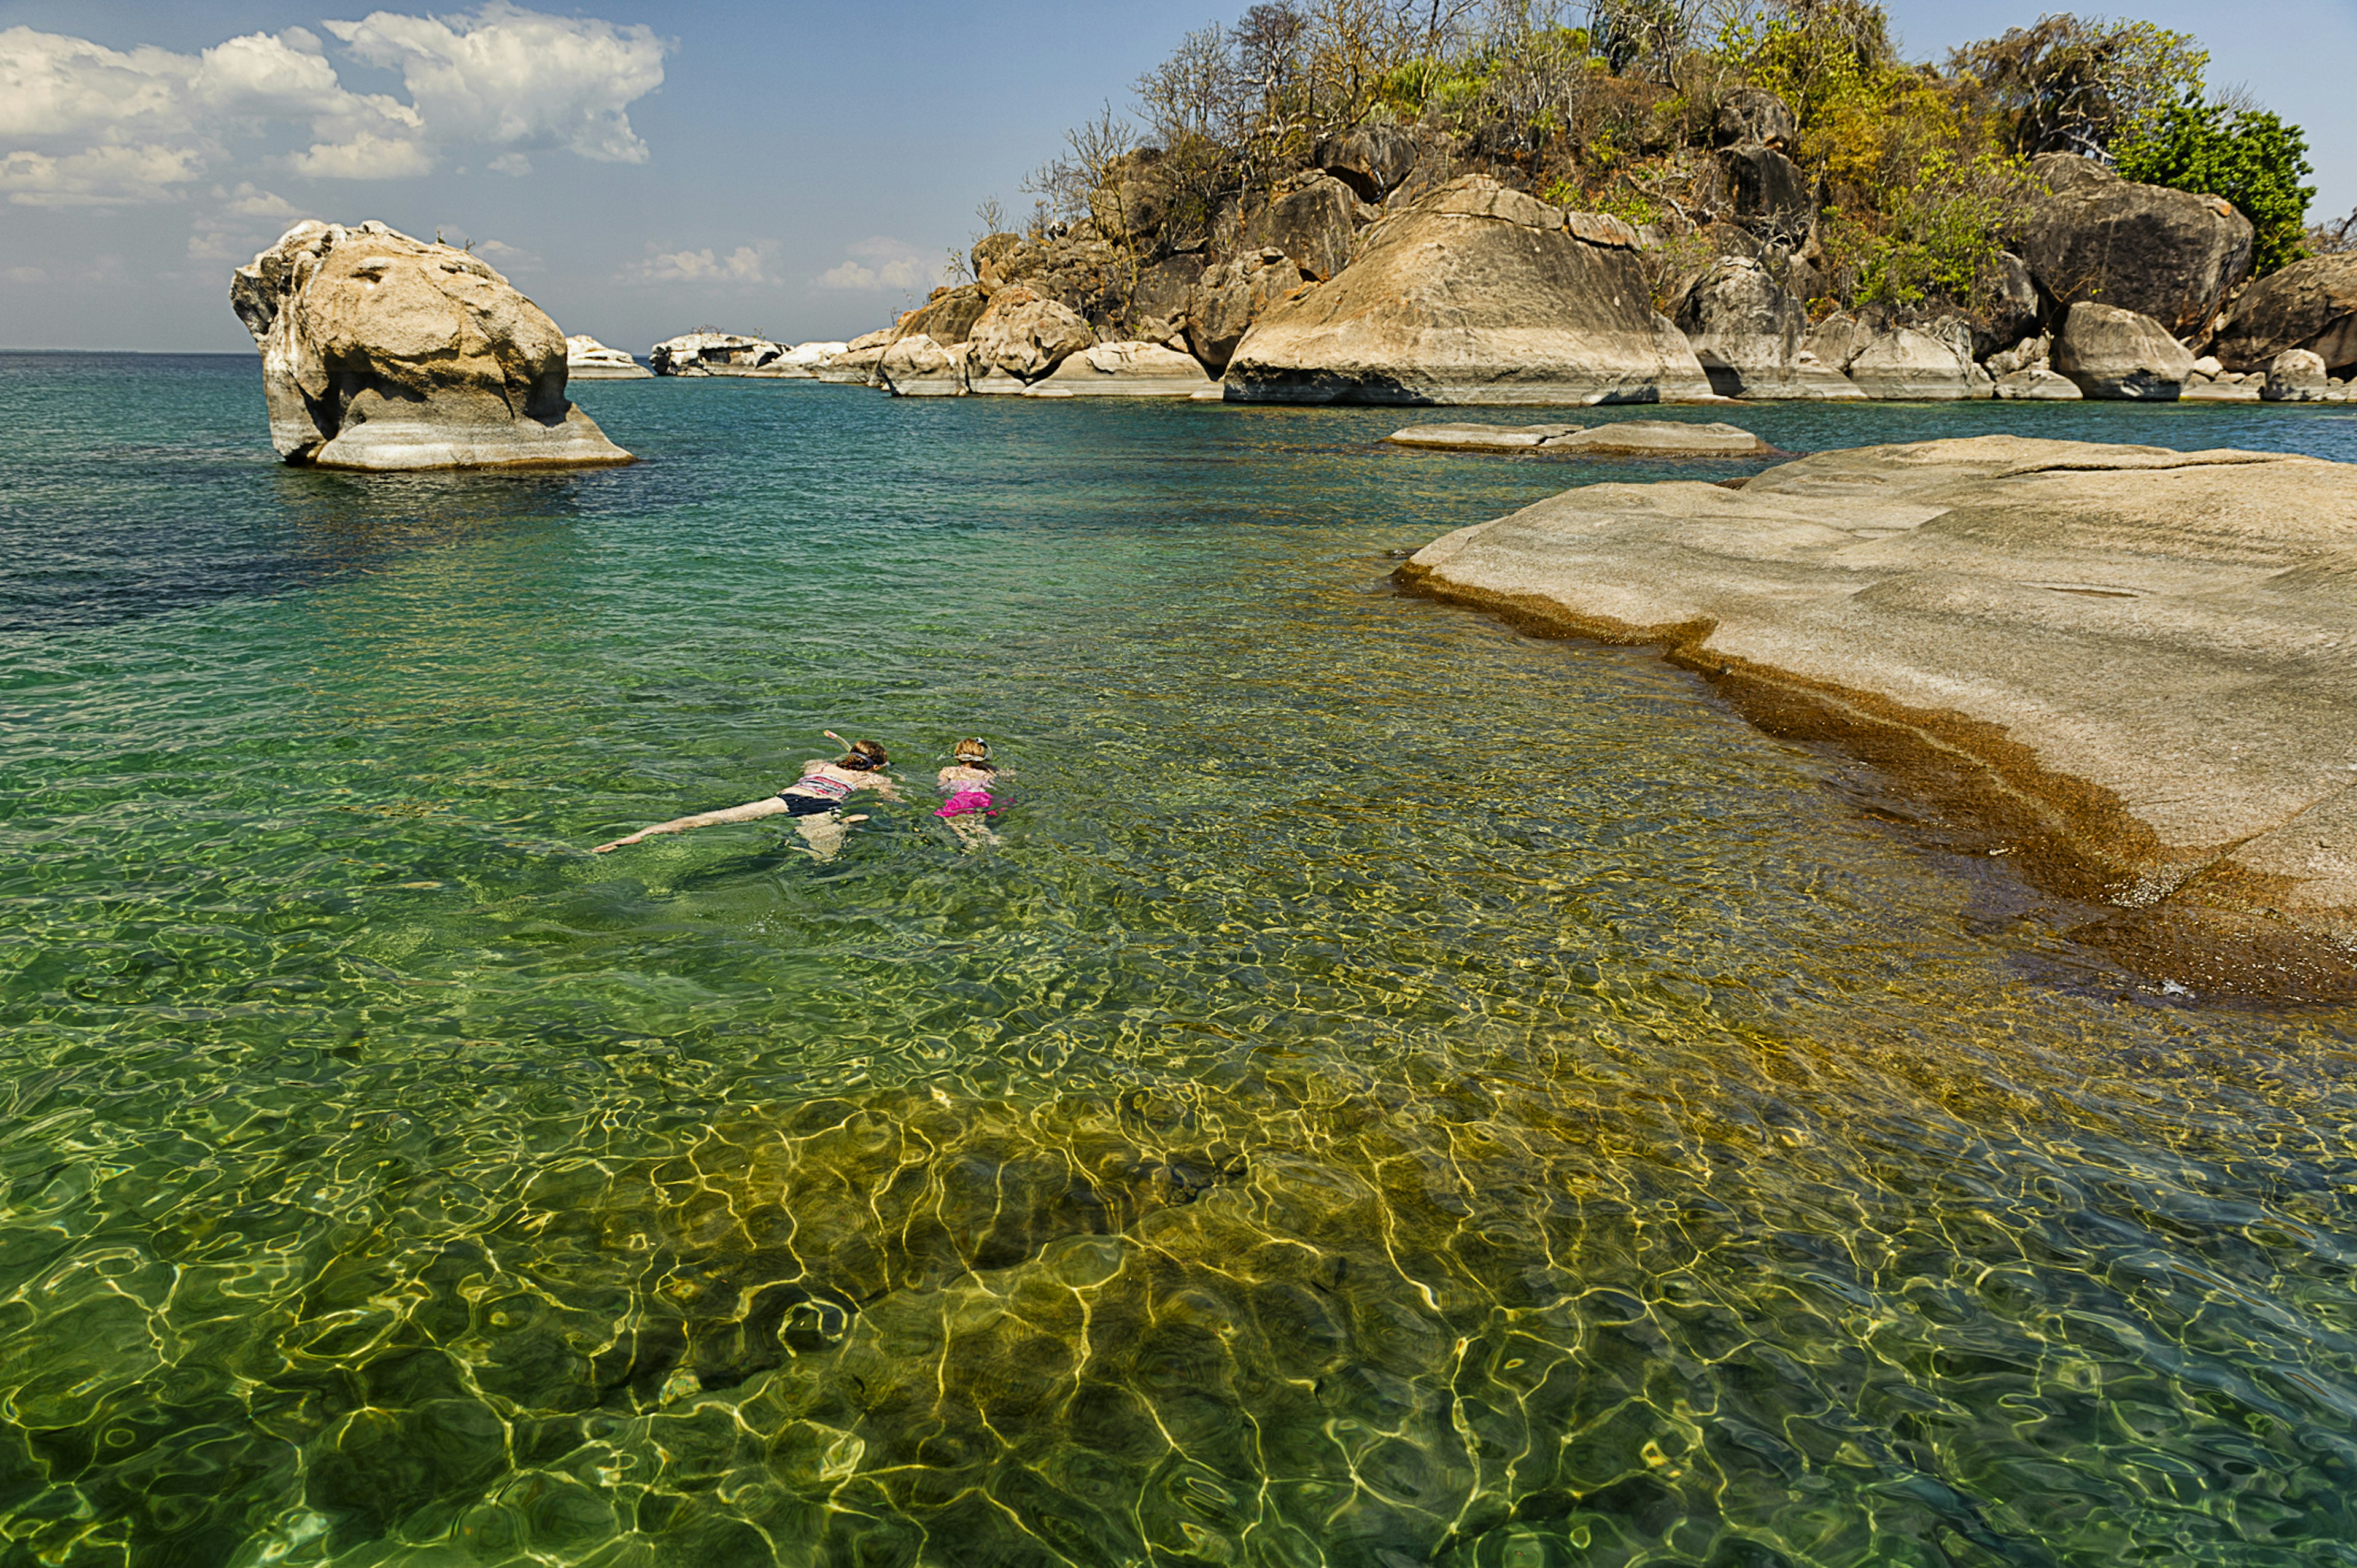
[(2131, 665)]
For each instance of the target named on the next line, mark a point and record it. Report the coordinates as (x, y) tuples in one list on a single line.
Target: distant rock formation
[(379, 352), (2164, 254), (1747, 330), (588, 359), (708, 352), (1474, 294)]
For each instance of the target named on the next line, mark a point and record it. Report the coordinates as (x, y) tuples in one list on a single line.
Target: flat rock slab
[(1623, 439), (2134, 663)]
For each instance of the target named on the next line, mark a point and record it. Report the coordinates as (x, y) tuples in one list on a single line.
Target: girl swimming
[(968, 782)]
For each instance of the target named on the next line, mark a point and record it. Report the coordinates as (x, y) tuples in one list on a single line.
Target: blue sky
[(642, 169)]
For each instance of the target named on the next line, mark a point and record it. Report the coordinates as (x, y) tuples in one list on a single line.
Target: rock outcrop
[(2118, 354), (708, 352), (948, 317), (2164, 254), (1747, 329), (1768, 192), (1231, 298), (2309, 304), (856, 362), (2295, 375), (1026, 336), (1474, 294), (1311, 226), (1129, 370), (2131, 661), (1622, 439), (384, 352), (588, 359), (1755, 117), (1906, 365), (915, 365), (1372, 159)]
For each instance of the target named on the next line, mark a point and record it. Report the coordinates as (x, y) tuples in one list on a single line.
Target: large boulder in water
[(2165, 254), (381, 351), (2121, 355), (2309, 304), (708, 352), (588, 359), (1474, 294)]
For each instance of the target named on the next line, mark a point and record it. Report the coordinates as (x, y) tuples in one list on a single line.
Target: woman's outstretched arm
[(769, 806)]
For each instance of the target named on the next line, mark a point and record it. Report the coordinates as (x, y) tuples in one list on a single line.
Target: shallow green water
[(1400, 1092)]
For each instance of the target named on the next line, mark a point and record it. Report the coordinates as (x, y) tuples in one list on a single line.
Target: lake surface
[(1399, 1092)]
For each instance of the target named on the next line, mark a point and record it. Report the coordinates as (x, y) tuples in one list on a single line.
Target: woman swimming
[(967, 781), (814, 801)]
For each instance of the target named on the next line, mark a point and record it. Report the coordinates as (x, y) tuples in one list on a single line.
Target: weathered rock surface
[(2160, 253), (1474, 294), (2295, 375), (588, 359), (913, 365), (1129, 370), (2309, 304), (1026, 336), (1622, 439), (384, 352), (2118, 354), (1754, 116), (1312, 226), (1747, 329), (1768, 192), (2038, 383), (1372, 159), (1234, 296), (948, 317), (1906, 365), (857, 361), (705, 352), (2134, 663)]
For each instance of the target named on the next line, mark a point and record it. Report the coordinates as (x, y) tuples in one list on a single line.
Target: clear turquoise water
[(1401, 1092)]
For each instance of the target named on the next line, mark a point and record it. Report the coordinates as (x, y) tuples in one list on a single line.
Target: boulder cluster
[(1386, 273)]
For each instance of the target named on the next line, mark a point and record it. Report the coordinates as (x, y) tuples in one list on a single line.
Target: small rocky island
[(2135, 662), (379, 352)]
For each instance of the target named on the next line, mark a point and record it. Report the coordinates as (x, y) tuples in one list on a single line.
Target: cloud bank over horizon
[(83, 125)]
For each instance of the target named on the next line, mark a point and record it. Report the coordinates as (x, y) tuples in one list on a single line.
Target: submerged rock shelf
[(2130, 658)]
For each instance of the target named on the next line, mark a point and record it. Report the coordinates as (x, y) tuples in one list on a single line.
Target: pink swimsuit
[(967, 799)]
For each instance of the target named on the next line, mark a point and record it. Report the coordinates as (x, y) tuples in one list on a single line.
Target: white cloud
[(878, 264), (506, 257), (248, 201), (744, 264), (25, 274), (82, 124), (513, 77)]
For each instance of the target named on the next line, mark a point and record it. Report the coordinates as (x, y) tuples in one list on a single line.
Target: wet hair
[(865, 757), (974, 753)]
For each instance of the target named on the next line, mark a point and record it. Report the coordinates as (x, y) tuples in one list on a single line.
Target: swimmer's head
[(865, 757), (974, 753)]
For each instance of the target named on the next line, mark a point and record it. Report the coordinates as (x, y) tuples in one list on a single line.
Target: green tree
[(2249, 156)]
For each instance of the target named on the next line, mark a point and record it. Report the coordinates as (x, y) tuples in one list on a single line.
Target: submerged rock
[(588, 359), (384, 352), (1474, 294), (2134, 652), (1622, 439)]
